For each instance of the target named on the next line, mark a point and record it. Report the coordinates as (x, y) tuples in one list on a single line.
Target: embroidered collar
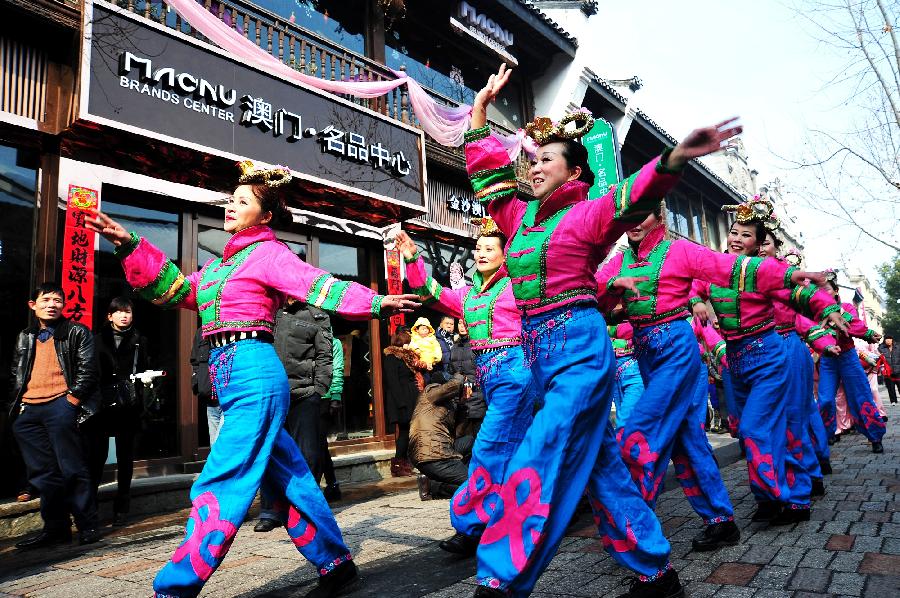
[(482, 286), (648, 243), (248, 236), (568, 193)]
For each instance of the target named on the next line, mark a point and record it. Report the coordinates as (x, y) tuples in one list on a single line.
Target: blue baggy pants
[(509, 392), (568, 447), (630, 387), (761, 386), (668, 422), (252, 449), (846, 369)]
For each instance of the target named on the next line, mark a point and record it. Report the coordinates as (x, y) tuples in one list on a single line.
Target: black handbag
[(124, 392)]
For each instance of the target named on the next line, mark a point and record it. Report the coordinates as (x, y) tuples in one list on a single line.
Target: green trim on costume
[(212, 282), (477, 134), (334, 296), (125, 249), (495, 183), (694, 301), (376, 306), (413, 259), (834, 307), (869, 334), (528, 269), (788, 274), (744, 273), (728, 311), (662, 167)]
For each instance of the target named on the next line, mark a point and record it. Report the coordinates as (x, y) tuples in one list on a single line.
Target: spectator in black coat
[(462, 362), (121, 352), (201, 384), (444, 335), (303, 343)]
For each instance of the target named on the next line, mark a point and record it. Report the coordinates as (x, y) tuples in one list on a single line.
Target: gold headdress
[(543, 130), (270, 177), (758, 209), (487, 224)]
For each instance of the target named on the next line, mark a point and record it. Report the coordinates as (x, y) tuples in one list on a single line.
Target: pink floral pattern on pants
[(211, 532)]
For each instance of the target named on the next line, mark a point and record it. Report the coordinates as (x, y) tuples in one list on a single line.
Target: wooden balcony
[(309, 53)]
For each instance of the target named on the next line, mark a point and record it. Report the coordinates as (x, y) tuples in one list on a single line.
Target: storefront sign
[(483, 29), (603, 157), (150, 80), (78, 256), (466, 205)]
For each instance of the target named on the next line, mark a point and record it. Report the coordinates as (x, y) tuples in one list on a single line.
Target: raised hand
[(487, 95), (628, 283), (701, 142), (393, 304), (831, 351), (405, 245), (108, 228)]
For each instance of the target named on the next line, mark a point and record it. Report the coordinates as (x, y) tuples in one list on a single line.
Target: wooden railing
[(300, 49)]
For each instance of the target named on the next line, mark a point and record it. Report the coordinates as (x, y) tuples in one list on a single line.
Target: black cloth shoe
[(332, 492), (667, 586), (766, 511), (716, 535), (884, 418), (789, 516), (424, 487), (877, 448), (461, 544), (825, 466), (486, 592), (818, 487), (45, 538), (339, 580), (266, 525), (88, 536)]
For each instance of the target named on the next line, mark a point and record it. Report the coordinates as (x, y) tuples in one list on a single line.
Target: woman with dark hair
[(667, 422), (762, 387), (237, 296), (845, 369), (495, 333), (556, 244), (402, 384), (121, 352)]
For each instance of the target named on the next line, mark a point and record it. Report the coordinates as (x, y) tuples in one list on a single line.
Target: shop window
[(437, 66), (340, 22), (678, 214), (18, 177), (158, 432), (357, 419), (697, 220)]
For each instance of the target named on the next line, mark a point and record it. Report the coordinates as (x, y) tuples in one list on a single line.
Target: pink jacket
[(556, 245), (242, 290), (858, 328), (788, 319), (670, 266), (743, 314), (491, 314)]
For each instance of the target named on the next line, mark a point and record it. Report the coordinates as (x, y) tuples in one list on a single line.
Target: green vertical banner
[(603, 157)]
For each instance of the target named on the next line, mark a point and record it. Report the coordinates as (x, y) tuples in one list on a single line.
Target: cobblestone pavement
[(850, 548)]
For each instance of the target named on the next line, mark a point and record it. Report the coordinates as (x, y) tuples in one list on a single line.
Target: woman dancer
[(495, 330), (556, 244), (845, 369), (237, 296), (762, 387), (794, 328), (668, 421)]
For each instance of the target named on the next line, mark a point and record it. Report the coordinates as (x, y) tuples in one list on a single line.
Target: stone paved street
[(850, 548)]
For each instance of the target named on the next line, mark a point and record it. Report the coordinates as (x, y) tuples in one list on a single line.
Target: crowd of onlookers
[(74, 389), (434, 403)]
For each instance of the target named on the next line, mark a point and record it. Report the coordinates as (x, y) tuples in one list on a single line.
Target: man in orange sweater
[(54, 389)]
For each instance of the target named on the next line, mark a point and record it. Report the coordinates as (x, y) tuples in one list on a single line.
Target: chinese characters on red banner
[(394, 285), (78, 256)]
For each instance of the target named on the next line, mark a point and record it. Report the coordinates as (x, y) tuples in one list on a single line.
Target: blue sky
[(704, 60)]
